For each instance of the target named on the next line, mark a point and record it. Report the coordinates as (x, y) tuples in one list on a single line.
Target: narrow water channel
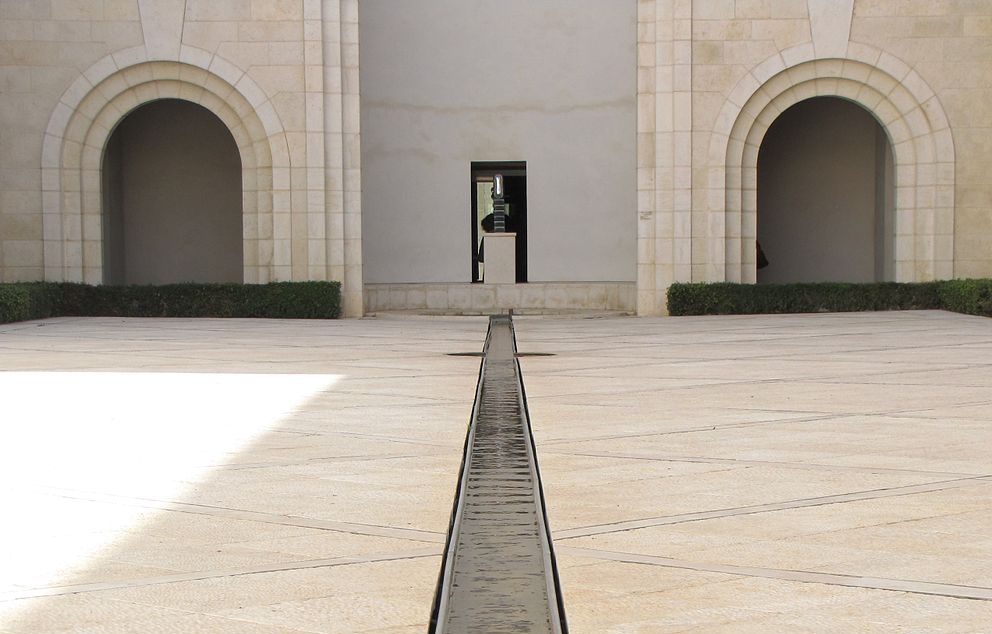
[(498, 574)]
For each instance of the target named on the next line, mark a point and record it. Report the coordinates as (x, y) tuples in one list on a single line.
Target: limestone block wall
[(949, 45), (485, 299), (282, 76), (45, 47), (712, 76)]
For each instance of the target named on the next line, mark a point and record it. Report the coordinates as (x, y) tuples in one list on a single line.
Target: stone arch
[(100, 98), (902, 103)]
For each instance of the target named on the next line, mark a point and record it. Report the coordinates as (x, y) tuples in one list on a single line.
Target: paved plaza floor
[(787, 473)]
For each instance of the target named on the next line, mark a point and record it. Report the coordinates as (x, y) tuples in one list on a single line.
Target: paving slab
[(802, 473), (229, 475)]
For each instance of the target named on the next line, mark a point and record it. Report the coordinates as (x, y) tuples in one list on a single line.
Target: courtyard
[(802, 473)]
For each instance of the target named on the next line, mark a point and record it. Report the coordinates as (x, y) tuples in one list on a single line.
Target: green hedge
[(972, 297), (14, 304), (290, 300), (322, 300), (964, 296), (29, 300)]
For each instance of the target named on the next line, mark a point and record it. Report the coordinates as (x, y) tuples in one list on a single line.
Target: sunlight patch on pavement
[(142, 435)]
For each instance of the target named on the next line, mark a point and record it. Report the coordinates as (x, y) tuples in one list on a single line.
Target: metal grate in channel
[(498, 574)]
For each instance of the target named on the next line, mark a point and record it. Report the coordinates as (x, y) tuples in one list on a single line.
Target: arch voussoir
[(88, 112), (908, 111)]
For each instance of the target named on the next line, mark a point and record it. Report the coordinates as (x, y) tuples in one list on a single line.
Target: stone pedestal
[(501, 258)]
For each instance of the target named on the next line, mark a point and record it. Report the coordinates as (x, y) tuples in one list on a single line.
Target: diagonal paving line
[(802, 466), (854, 581), (217, 574), (616, 527), (372, 530), (691, 430)]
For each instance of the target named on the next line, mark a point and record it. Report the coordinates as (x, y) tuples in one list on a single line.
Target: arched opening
[(172, 198), (825, 195)]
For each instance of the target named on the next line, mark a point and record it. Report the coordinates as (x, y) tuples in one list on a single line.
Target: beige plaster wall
[(449, 82)]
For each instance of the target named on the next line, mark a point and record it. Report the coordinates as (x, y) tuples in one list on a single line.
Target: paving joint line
[(956, 591), (100, 586), (813, 417), (249, 466), (371, 530), (842, 498), (806, 466), (693, 430)]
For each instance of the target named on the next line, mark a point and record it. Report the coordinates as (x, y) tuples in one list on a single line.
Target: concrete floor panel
[(720, 475)]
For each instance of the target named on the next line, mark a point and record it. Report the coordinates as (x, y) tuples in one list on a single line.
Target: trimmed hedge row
[(973, 297), (322, 300), (29, 300), (279, 300), (13, 304)]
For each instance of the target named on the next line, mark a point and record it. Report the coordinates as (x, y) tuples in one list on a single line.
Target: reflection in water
[(499, 574)]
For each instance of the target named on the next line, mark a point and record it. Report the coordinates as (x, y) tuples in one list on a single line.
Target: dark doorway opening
[(515, 185), (826, 195), (172, 199)]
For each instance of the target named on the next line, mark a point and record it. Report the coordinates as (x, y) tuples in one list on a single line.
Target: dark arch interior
[(172, 208), (825, 195)]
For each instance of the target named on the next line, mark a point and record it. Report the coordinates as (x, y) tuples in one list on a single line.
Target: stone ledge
[(534, 298)]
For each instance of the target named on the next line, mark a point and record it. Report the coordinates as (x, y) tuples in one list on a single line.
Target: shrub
[(28, 300), (300, 300), (170, 300), (972, 297), (290, 300), (14, 303), (746, 299)]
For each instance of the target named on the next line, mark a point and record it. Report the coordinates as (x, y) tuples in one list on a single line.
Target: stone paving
[(800, 473)]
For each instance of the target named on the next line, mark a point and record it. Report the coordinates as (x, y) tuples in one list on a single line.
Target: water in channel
[(498, 575)]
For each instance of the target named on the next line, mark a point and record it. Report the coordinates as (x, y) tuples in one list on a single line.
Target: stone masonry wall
[(283, 76), (44, 46), (950, 45), (713, 75)]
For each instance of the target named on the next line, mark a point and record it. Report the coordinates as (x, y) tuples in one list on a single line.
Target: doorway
[(172, 199), (515, 186), (826, 195)]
